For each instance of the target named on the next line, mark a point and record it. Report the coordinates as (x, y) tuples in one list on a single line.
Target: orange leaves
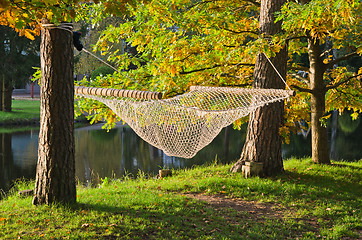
[(24, 16), (4, 4), (30, 33)]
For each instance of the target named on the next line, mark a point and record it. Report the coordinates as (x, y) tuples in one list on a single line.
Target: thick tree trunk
[(263, 146), (320, 152), (55, 177), (6, 96)]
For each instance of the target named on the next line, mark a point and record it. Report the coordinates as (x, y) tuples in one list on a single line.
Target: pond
[(120, 151)]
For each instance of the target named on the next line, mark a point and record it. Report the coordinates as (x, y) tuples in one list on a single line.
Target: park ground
[(307, 201), (25, 111)]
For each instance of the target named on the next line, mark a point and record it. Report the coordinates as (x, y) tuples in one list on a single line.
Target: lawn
[(308, 201), (23, 111)]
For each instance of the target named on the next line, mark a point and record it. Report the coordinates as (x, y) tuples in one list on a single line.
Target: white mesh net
[(183, 125)]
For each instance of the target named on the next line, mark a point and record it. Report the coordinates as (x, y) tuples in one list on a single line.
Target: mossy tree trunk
[(320, 152), (263, 144), (55, 177)]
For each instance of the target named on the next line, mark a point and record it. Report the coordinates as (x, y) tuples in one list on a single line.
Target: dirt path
[(256, 210)]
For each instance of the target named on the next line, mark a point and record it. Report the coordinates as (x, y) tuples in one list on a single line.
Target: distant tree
[(101, 71), (18, 57), (329, 33)]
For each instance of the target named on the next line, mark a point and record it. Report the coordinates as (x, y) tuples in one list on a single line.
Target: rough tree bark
[(320, 152), (55, 177), (263, 146)]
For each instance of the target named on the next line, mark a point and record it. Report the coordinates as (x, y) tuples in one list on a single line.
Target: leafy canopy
[(180, 43), (25, 15), (172, 44), (335, 27)]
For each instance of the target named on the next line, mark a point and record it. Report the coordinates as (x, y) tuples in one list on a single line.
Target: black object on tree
[(76, 41)]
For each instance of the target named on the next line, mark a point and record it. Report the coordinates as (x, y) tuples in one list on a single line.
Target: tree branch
[(343, 82), (346, 93), (303, 79), (345, 57), (295, 37), (255, 3), (325, 52), (197, 4), (233, 76), (240, 32), (302, 89), (200, 69), (215, 66), (300, 68)]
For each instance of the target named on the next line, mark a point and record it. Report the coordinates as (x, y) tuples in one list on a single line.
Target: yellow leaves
[(173, 70), (359, 51), (22, 15), (28, 34), (49, 15), (328, 59), (50, 2), (354, 115)]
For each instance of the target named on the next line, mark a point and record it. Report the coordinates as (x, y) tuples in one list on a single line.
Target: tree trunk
[(6, 160), (263, 146), (6, 95), (320, 152), (227, 142), (55, 177), (2, 79)]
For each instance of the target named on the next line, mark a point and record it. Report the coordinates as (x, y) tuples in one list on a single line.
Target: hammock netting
[(183, 125)]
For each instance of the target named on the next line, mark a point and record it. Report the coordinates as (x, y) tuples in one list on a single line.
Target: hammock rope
[(183, 125)]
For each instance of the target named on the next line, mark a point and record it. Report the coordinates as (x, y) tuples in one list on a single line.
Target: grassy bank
[(23, 111), (307, 202)]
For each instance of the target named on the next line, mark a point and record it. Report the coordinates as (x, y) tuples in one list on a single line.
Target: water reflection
[(18, 156), (100, 154), (120, 151)]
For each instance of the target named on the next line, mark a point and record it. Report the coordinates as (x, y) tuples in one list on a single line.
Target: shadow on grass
[(188, 219), (339, 183)]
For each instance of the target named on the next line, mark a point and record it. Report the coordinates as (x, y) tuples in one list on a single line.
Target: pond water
[(120, 151)]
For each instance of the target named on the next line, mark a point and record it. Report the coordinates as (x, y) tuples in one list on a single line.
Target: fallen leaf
[(85, 225)]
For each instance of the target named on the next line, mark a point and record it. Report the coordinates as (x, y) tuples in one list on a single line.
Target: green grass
[(307, 202), (22, 111)]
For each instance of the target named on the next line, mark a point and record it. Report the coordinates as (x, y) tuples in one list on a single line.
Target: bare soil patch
[(256, 210)]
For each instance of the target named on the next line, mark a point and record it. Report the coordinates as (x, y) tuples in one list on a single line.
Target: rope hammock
[(182, 125)]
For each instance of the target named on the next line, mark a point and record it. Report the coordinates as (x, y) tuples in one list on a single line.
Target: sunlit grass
[(22, 111), (314, 201)]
